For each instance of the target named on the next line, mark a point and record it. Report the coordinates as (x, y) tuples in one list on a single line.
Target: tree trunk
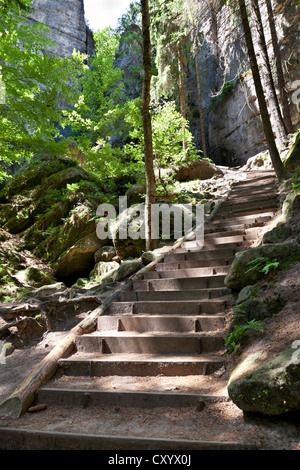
[(280, 75), (274, 154), (267, 77), (147, 125), (200, 107), (182, 95)]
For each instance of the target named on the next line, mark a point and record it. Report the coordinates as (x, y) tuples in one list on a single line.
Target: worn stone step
[(30, 439), (210, 256), (140, 296), (234, 221), (210, 241), (248, 209), (191, 272), (255, 183), (237, 206), (139, 365), (83, 398), (247, 215), (186, 307), (242, 229), (262, 195), (143, 323), (194, 264), (225, 245), (183, 283), (148, 343)]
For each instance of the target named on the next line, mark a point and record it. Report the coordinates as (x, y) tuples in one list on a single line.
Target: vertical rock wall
[(66, 21), (233, 125)]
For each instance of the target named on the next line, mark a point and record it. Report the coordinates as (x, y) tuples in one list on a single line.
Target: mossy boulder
[(270, 387), (34, 277), (131, 244), (240, 275), (102, 268), (128, 268), (78, 260), (201, 170), (105, 253)]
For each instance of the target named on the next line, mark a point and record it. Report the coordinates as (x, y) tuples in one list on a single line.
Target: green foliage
[(226, 91), (233, 339), (169, 129), (97, 108), (35, 83), (263, 265), (296, 180)]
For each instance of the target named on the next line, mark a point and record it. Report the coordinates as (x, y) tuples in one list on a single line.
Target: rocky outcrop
[(67, 25), (270, 388), (232, 120), (51, 206)]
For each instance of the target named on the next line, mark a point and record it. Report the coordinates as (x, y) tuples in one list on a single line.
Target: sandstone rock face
[(51, 207), (67, 25), (233, 127)]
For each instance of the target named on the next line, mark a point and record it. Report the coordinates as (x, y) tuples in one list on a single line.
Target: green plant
[(296, 180), (232, 340), (226, 91), (263, 265)]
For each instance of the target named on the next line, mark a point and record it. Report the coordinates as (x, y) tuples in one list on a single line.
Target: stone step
[(249, 205), (244, 220), (210, 241), (178, 284), (186, 307), (139, 365), (247, 215), (255, 183), (191, 272), (194, 264), (83, 398), (164, 323), (209, 256), (261, 196), (251, 195), (163, 296), (248, 209), (147, 343), (194, 246), (30, 439)]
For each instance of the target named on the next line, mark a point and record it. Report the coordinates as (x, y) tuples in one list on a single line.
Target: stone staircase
[(169, 330)]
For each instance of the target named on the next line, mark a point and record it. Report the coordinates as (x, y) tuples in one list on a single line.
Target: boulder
[(133, 224), (105, 253), (201, 170), (239, 276), (128, 268), (78, 259), (270, 387), (102, 268), (136, 194), (34, 277)]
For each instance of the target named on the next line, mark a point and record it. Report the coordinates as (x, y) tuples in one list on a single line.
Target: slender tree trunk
[(280, 75), (267, 77), (147, 125), (204, 148), (182, 95), (274, 154)]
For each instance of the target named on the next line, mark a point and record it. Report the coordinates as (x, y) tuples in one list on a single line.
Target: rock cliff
[(67, 25), (232, 120)]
